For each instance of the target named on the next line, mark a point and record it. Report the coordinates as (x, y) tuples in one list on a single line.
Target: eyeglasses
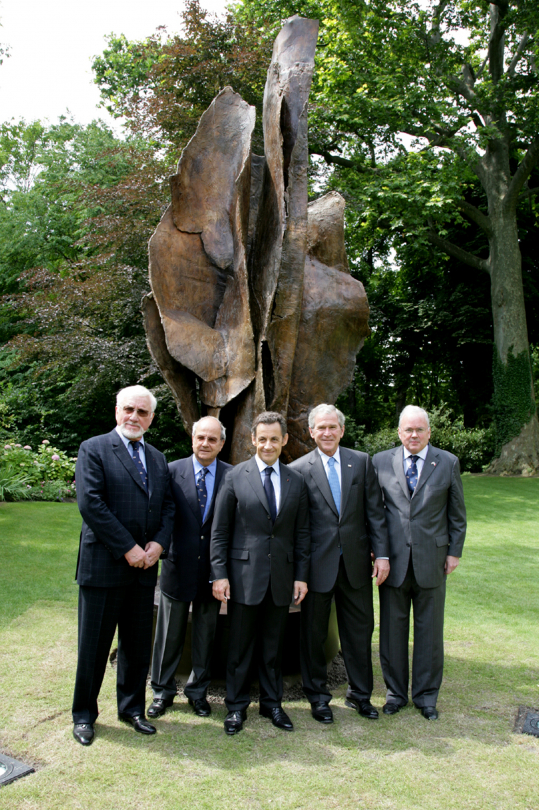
[(411, 431), (129, 410)]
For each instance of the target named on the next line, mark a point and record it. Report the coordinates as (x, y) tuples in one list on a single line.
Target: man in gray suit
[(347, 526), (259, 561), (426, 520), (185, 573)]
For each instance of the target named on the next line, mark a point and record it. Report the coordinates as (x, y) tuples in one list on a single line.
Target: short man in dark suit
[(185, 573), (123, 493), (347, 529), (426, 520), (260, 561)]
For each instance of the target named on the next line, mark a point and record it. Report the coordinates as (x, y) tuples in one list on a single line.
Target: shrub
[(13, 485), (47, 464), (52, 491)]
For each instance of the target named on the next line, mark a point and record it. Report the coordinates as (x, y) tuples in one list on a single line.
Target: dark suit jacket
[(360, 528), (247, 549), (117, 512), (432, 524), (185, 574)]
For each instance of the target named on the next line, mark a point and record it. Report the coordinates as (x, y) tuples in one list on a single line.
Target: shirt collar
[(336, 456), (126, 440), (197, 466), (262, 465), (422, 454)]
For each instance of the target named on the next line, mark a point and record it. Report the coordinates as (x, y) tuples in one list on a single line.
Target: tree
[(419, 102)]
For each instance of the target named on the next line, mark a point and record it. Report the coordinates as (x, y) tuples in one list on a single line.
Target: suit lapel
[(218, 476), (150, 468), (321, 480), (347, 473), (398, 468), (253, 476), (285, 486), (429, 465), (186, 482), (122, 453)]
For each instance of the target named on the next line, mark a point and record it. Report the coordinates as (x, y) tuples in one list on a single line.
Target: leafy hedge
[(45, 475)]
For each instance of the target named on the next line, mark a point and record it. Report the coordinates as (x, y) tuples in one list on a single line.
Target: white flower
[(45, 441), (27, 447), (7, 447)]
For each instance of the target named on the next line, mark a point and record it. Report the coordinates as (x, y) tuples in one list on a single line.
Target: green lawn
[(470, 758)]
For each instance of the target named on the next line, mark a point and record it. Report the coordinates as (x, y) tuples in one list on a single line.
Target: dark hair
[(269, 418)]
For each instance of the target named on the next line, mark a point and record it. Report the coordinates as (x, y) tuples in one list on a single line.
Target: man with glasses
[(426, 521), (123, 493)]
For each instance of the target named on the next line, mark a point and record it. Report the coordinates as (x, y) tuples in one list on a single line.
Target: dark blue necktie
[(411, 474), (202, 491), (139, 465), (270, 493)]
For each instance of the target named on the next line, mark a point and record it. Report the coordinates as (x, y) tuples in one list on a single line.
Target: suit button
[(199, 558), (269, 517), (202, 537), (272, 536), (269, 555)]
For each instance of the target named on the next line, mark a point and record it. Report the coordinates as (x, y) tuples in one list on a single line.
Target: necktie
[(139, 465), (202, 491), (270, 493), (412, 474), (334, 485)]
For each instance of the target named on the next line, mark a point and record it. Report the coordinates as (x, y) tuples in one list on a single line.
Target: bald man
[(185, 574)]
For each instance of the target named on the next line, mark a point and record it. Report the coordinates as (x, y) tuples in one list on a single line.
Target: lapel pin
[(349, 465), (433, 463)]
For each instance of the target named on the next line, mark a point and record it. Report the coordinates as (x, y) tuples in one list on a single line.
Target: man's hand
[(153, 552), (450, 564), (300, 591), (221, 590), (136, 557), (380, 571)]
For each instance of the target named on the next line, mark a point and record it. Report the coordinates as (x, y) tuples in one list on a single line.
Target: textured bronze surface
[(253, 307)]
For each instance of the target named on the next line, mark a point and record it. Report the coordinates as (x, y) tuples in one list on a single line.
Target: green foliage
[(46, 465), (13, 484), (513, 402)]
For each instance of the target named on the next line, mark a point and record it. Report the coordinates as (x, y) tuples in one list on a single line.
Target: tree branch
[(473, 213), (458, 253), (496, 41), (528, 193), (337, 160), (524, 170), (518, 53)]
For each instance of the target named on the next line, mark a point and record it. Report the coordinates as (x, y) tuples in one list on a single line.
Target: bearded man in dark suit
[(185, 573), (123, 493), (260, 561), (426, 521), (347, 527)]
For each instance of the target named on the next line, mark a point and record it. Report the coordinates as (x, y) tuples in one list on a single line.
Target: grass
[(470, 758)]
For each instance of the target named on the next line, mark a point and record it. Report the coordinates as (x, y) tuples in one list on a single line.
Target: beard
[(131, 432)]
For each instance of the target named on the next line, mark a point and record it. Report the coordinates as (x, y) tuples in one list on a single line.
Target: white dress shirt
[(275, 478), (422, 455)]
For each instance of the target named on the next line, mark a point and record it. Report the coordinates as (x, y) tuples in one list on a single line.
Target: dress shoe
[(429, 712), (322, 712), (200, 706), (139, 723), (84, 733), (158, 706), (364, 707), (278, 717), (234, 722), (391, 708)]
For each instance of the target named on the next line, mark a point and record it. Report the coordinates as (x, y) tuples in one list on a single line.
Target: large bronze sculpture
[(252, 306)]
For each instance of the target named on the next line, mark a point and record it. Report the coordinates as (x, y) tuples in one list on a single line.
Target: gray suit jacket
[(247, 549), (431, 524), (360, 528)]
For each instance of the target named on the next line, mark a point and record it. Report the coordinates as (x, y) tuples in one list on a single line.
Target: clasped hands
[(144, 558)]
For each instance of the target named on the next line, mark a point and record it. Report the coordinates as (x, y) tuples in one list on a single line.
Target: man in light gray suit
[(347, 525), (426, 520)]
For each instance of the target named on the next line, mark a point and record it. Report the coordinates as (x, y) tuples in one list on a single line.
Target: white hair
[(196, 424), (414, 410), (136, 391), (323, 409)]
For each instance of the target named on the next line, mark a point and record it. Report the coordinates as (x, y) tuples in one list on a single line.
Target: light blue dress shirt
[(210, 480), (129, 446), (422, 455)]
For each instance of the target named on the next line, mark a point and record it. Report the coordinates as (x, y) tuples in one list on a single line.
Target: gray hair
[(136, 391), (414, 410), (323, 409), (196, 424)]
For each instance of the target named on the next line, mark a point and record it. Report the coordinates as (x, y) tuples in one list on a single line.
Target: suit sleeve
[(222, 529), (375, 513), (163, 536), (302, 537), (90, 478), (456, 513)]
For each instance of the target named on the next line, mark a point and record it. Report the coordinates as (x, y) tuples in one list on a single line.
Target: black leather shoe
[(138, 722), (200, 707), (322, 712), (278, 717), (84, 733), (234, 722), (158, 706), (363, 707), (429, 712), (392, 708)]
